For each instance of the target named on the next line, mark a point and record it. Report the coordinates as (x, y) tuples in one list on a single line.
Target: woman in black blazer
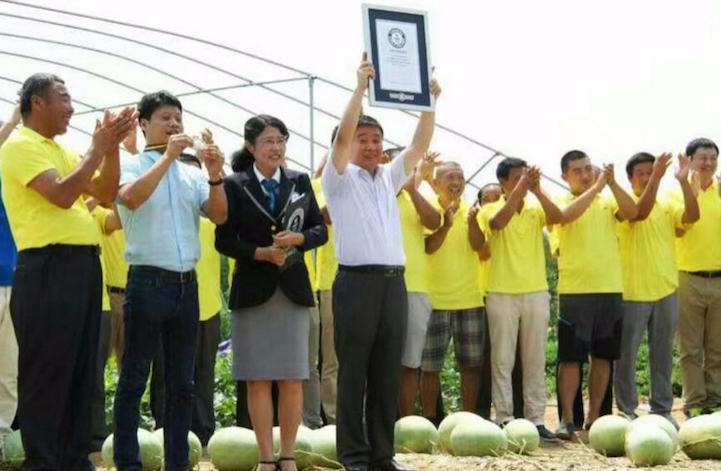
[(270, 294)]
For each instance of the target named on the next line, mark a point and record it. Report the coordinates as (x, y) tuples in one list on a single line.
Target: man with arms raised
[(369, 293)]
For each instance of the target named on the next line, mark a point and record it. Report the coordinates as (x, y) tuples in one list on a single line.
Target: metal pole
[(311, 107)]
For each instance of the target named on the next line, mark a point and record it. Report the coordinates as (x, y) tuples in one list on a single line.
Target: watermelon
[(522, 436), (12, 452), (322, 442), (657, 421), (608, 435), (478, 438), (233, 449), (649, 445), (195, 448), (415, 434), (151, 451), (449, 423), (700, 437)]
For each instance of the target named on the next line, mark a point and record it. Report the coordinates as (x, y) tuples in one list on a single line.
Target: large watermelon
[(649, 445), (608, 435), (195, 448), (233, 449), (478, 438), (522, 436), (12, 452), (700, 437), (415, 434), (449, 423), (322, 442), (151, 451)]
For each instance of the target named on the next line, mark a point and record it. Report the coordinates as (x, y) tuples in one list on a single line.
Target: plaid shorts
[(468, 329)]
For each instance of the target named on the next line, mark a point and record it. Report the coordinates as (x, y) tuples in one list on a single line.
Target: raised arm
[(513, 203), (627, 209), (579, 205), (648, 197), (63, 191), (424, 132), (475, 234), (691, 211), (216, 206), (340, 154), (7, 128), (553, 212), (435, 240)]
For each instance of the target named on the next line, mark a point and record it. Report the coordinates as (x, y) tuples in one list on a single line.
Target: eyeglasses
[(271, 142)]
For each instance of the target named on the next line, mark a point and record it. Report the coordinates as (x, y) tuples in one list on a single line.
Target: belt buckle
[(390, 272), (184, 277)]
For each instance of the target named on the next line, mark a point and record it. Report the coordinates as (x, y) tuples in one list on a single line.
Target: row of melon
[(652, 440)]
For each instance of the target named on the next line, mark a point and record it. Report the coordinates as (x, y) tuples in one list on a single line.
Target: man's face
[(450, 182), (705, 161), (367, 148), (579, 175), (640, 175), (163, 123), (510, 183), (54, 108), (491, 194)]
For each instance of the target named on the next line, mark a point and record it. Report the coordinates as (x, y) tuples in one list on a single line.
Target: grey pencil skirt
[(270, 341)]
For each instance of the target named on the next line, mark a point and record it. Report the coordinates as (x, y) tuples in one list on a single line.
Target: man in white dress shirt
[(369, 293)]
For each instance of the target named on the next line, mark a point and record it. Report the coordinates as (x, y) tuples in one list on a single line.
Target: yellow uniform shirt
[(327, 264), (208, 271), (414, 245), (589, 260), (648, 253), (99, 215), (310, 265), (699, 248), (35, 221), (454, 267), (483, 267), (113, 245), (518, 261)]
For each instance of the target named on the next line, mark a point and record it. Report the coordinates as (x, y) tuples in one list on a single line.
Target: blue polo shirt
[(8, 252), (163, 231)]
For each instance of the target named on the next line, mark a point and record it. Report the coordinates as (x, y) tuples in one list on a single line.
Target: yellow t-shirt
[(35, 221), (589, 259), (414, 245), (483, 268), (208, 271), (99, 215), (454, 267), (648, 253), (113, 245), (699, 248), (518, 261), (327, 263), (310, 265)]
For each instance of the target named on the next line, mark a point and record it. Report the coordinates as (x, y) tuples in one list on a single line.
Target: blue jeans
[(156, 310)]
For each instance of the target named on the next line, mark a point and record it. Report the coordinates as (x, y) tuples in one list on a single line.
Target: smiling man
[(57, 285), (160, 202)]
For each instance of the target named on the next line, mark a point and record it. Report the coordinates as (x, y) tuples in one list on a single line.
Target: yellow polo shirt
[(99, 215), (310, 265), (327, 263), (699, 248), (113, 245), (208, 272), (483, 267), (414, 245), (518, 261), (589, 259), (648, 253), (35, 221), (454, 267)]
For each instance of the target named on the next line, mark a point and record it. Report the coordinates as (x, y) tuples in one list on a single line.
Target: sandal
[(285, 458), (274, 463)]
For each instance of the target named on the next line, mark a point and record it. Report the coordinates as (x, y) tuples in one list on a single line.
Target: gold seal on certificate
[(397, 41)]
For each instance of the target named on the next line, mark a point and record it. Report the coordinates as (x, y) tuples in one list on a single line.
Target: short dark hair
[(36, 84), (254, 127), (570, 156), (636, 159), (152, 101), (366, 120), (393, 152), (506, 165), (700, 143)]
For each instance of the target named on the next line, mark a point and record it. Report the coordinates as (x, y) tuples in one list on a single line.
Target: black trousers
[(203, 423), (55, 306), (100, 428), (370, 312)]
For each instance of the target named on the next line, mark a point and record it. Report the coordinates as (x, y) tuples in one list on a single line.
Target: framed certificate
[(397, 43)]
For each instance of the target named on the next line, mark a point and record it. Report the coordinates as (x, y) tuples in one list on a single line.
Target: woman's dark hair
[(254, 127)]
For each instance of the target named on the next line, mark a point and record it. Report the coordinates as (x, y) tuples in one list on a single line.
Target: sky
[(530, 79)]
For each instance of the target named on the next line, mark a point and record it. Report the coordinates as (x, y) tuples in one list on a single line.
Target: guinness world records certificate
[(397, 43)]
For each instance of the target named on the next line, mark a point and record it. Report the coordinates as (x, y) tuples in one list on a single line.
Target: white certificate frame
[(399, 99)]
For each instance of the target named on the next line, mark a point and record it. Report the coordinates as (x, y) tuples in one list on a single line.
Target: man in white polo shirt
[(369, 293)]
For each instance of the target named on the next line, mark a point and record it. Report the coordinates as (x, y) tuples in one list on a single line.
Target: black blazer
[(247, 228)]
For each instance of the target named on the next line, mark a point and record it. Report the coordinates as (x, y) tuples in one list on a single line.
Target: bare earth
[(565, 456)]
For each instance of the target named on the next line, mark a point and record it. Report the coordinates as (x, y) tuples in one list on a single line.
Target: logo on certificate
[(295, 221), (397, 38)]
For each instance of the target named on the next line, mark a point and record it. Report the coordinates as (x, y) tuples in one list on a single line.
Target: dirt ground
[(561, 457)]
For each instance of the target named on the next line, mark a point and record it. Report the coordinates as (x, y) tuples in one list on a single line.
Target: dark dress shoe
[(390, 465), (356, 467)]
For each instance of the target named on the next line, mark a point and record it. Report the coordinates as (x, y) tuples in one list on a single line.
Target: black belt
[(706, 274), (64, 249), (116, 290), (385, 270), (169, 276)]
